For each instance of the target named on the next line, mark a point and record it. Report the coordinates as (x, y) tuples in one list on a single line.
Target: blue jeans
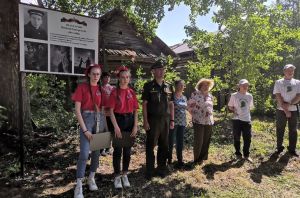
[(179, 131), (89, 120)]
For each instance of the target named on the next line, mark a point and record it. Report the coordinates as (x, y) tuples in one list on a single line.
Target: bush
[(48, 101)]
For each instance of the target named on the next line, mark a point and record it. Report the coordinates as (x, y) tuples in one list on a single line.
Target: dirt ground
[(51, 166)]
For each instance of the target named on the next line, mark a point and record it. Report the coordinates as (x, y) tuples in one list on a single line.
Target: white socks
[(92, 175), (79, 181)]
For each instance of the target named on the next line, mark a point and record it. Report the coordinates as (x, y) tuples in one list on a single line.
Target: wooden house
[(120, 42), (184, 54)]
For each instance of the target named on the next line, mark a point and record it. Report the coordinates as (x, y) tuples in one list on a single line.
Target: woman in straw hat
[(200, 105)]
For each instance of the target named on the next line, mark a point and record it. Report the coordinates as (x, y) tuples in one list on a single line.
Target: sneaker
[(103, 153), (179, 165), (294, 153), (125, 181), (78, 192), (148, 177), (249, 159), (238, 155), (110, 151), (279, 150), (118, 182), (92, 184), (162, 172)]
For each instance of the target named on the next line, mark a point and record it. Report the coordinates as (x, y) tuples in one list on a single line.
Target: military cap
[(158, 64), (36, 12)]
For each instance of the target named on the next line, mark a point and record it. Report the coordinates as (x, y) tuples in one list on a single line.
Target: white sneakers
[(121, 179), (103, 153), (125, 181), (92, 184), (78, 191), (118, 182)]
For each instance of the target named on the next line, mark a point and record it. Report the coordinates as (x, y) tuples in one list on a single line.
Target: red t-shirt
[(126, 102), (83, 94), (106, 91)]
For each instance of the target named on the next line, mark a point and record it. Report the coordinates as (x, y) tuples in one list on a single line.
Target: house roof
[(181, 48), (117, 43)]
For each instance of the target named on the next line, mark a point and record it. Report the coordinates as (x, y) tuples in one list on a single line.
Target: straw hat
[(205, 80)]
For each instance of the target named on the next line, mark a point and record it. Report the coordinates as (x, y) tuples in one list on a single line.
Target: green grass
[(263, 178)]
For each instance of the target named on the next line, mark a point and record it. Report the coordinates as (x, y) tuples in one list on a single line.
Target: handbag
[(125, 141), (100, 139)]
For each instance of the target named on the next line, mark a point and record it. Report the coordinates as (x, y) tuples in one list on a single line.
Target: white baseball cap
[(288, 66), (243, 81)]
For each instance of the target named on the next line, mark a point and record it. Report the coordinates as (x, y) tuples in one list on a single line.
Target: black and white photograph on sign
[(35, 24), (83, 58), (36, 56), (60, 59)]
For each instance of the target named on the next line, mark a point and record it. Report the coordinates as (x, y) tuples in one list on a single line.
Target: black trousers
[(241, 128), (125, 122), (157, 135), (281, 121)]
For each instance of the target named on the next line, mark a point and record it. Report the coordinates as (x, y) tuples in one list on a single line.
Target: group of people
[(164, 118)]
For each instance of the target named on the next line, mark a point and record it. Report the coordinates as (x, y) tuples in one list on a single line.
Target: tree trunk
[(9, 66)]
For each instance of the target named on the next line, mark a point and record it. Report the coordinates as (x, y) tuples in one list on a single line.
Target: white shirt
[(288, 90), (242, 104)]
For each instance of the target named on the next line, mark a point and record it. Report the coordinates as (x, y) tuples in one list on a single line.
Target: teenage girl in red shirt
[(124, 116), (87, 98)]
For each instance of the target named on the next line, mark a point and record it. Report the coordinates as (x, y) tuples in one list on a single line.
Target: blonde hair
[(204, 80)]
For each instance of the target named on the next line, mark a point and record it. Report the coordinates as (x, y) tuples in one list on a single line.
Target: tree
[(9, 65), (251, 43)]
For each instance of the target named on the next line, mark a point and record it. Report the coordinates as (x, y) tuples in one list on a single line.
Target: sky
[(171, 28)]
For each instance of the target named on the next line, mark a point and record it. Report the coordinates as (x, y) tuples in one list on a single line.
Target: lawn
[(51, 169)]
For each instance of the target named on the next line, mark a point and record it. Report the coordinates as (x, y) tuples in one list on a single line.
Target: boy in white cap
[(287, 92), (240, 104)]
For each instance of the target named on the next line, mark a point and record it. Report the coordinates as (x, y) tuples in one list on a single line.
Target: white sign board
[(56, 42)]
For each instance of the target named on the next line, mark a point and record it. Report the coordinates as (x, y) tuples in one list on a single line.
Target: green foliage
[(171, 74), (12, 168), (138, 85), (253, 42), (48, 102), (141, 80)]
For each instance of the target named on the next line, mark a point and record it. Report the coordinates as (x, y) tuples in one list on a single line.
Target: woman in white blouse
[(200, 105)]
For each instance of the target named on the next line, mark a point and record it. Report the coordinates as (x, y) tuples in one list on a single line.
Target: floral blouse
[(201, 108)]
